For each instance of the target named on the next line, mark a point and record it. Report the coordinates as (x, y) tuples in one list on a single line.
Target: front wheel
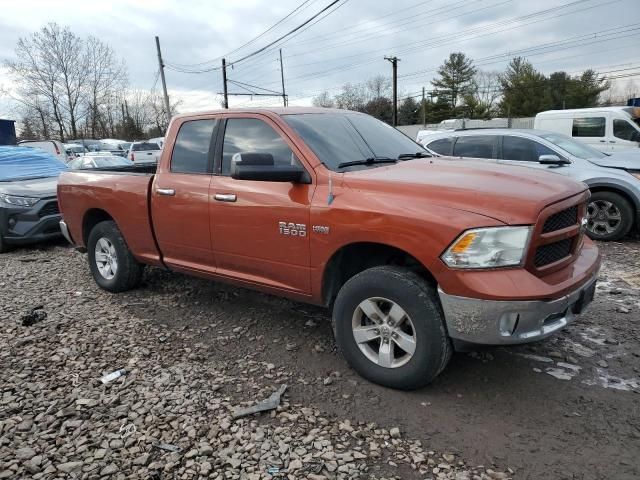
[(389, 327), (609, 216), (112, 264)]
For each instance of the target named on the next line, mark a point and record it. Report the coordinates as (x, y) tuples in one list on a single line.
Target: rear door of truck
[(180, 195)]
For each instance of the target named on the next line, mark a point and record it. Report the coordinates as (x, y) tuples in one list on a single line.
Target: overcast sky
[(348, 45)]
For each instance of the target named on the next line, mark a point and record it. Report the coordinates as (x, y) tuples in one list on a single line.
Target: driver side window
[(624, 130), (251, 135)]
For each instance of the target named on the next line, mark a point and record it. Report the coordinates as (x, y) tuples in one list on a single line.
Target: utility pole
[(164, 83), (284, 95), (424, 110), (224, 83), (394, 64)]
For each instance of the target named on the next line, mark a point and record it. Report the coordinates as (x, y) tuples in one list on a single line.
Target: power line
[(288, 33)]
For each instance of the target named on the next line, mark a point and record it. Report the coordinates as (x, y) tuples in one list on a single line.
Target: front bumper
[(499, 322), (26, 225)]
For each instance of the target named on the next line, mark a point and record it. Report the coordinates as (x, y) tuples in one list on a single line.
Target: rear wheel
[(390, 328), (609, 216), (112, 264)]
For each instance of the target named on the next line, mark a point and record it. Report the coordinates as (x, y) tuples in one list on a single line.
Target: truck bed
[(121, 194)]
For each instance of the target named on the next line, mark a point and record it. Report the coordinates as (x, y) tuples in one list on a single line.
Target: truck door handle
[(602, 141), (612, 141), (170, 192), (225, 197)]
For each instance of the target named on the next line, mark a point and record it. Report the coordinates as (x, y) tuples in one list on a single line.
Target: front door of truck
[(260, 228), (180, 198)]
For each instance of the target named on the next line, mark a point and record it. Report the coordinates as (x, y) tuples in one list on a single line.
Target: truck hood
[(36, 187), (510, 194), (627, 159)]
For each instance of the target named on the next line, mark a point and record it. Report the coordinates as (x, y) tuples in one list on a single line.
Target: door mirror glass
[(262, 167)]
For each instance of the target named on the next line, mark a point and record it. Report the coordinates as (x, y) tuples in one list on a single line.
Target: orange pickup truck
[(415, 256)]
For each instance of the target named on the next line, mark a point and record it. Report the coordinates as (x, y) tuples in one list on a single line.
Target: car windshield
[(111, 162), (143, 147), (340, 138), (575, 148)]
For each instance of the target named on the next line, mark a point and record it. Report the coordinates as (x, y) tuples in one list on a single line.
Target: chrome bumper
[(65, 232), (490, 322)]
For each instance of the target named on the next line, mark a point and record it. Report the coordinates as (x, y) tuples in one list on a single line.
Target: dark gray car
[(614, 179), (28, 198)]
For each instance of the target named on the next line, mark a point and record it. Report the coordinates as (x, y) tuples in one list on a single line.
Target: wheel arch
[(621, 190), (91, 218), (353, 258)]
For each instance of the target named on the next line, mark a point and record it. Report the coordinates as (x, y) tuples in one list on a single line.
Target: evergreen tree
[(409, 112), (455, 79), (381, 108), (524, 90), (27, 132)]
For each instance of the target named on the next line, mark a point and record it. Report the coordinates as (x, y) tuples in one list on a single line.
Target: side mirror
[(261, 167), (552, 160)]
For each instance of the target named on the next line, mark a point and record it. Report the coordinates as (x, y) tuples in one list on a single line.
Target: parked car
[(98, 161), (609, 129), (74, 150), (614, 180), (158, 140), (53, 147), (28, 204), (414, 255), (144, 152)]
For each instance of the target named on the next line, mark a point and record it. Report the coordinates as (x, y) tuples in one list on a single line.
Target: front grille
[(552, 252), (560, 220), (50, 208)]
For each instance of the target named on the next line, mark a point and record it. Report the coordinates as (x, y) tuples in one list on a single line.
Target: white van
[(54, 147), (605, 128)]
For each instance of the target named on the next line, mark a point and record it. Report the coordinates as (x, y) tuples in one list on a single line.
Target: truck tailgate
[(85, 196)]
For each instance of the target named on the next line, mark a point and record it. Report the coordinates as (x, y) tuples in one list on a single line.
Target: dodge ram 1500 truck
[(415, 256)]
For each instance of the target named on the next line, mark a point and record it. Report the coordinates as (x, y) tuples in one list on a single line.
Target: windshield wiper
[(368, 161), (408, 156)]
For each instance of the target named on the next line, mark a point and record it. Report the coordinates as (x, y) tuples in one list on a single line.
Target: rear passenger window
[(476, 146), (588, 127), (442, 146), (518, 148), (191, 151)]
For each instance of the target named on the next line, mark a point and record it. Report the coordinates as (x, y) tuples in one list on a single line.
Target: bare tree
[(106, 79), (378, 86), (323, 100)]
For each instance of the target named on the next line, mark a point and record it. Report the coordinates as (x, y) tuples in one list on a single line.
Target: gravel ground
[(195, 351)]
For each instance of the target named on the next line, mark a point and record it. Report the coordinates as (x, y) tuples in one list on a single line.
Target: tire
[(107, 244), (4, 248), (386, 286), (610, 216)]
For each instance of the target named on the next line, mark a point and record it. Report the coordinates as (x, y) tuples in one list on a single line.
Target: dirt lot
[(566, 408)]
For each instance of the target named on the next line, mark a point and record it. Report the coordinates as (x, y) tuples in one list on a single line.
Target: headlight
[(488, 248), (19, 201)]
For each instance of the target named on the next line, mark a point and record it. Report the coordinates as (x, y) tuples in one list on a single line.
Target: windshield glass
[(338, 138), (143, 147), (578, 149)]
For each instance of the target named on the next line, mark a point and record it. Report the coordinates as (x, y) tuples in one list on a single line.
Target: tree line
[(461, 90), (71, 87)]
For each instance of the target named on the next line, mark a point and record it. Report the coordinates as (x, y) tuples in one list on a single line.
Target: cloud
[(347, 46)]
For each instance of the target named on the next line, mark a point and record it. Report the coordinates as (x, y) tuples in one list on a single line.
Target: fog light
[(509, 323)]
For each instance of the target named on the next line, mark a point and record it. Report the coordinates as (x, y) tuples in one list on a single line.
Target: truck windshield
[(575, 148), (349, 139)]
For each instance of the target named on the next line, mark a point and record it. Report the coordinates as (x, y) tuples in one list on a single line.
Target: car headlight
[(488, 248), (19, 201)]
